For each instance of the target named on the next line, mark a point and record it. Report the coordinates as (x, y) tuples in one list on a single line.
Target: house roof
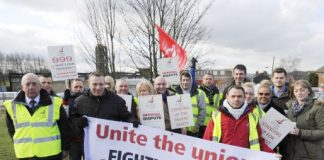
[(320, 70)]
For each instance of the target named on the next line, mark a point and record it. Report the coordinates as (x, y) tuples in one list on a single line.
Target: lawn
[(6, 146)]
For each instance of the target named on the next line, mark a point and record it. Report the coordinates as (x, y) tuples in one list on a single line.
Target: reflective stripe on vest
[(49, 122), (37, 134), (195, 111), (253, 131), (37, 140)]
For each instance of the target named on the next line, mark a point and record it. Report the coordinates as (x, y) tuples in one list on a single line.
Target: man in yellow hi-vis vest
[(235, 123), (36, 122)]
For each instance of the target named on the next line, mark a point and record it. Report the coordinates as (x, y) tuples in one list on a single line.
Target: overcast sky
[(250, 32)]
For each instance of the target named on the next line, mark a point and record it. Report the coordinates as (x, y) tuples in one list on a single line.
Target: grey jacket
[(307, 145)]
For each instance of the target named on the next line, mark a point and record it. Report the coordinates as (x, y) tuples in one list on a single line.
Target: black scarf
[(210, 92)]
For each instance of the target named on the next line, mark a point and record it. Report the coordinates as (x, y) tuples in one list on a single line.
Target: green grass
[(6, 146)]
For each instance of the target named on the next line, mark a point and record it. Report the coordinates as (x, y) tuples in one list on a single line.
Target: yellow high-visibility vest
[(211, 108), (195, 109), (36, 135), (258, 111), (253, 130)]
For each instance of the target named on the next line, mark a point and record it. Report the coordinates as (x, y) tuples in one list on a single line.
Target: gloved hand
[(67, 94), (135, 124), (195, 129), (83, 122), (193, 62)]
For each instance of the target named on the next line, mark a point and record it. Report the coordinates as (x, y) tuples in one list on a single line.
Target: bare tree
[(21, 63), (101, 21), (181, 19), (290, 63), (2, 69)]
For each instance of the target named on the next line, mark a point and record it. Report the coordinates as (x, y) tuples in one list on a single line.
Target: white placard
[(275, 127), (169, 69), (151, 111), (180, 111), (112, 140), (128, 100), (62, 62)]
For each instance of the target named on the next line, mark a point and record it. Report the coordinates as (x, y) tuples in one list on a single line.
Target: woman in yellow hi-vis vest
[(235, 123), (36, 122)]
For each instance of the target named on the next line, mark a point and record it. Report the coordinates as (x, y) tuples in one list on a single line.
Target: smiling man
[(47, 83), (100, 103)]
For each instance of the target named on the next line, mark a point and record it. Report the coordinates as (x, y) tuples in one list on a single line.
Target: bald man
[(36, 122), (160, 85)]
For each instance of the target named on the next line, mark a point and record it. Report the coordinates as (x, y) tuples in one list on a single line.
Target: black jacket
[(44, 100), (274, 106), (109, 106), (283, 99), (210, 92)]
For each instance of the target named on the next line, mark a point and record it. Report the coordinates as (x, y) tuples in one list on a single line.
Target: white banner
[(112, 140), (180, 111), (62, 62), (275, 127), (151, 111), (128, 100), (169, 69)]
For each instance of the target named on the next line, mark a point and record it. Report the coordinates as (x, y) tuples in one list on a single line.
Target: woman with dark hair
[(304, 141)]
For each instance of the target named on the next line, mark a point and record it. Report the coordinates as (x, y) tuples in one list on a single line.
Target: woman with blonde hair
[(249, 92), (304, 141), (145, 88)]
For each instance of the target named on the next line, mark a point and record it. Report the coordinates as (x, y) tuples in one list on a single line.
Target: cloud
[(42, 5), (250, 32)]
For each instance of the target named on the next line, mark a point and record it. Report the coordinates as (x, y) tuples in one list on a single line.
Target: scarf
[(297, 108), (236, 113), (210, 92), (263, 106)]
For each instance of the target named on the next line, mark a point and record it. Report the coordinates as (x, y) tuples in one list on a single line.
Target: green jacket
[(307, 145)]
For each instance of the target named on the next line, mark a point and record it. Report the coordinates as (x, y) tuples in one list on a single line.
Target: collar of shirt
[(27, 99), (279, 92)]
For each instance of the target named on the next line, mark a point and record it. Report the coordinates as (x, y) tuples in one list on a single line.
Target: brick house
[(320, 73)]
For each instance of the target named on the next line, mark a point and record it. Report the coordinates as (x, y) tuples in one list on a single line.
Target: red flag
[(170, 48)]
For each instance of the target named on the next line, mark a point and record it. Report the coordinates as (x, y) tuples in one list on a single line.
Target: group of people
[(45, 126)]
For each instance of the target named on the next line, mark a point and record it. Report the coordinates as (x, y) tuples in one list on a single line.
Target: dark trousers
[(76, 151)]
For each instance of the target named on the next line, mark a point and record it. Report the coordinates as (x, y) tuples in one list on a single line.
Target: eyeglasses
[(266, 94)]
